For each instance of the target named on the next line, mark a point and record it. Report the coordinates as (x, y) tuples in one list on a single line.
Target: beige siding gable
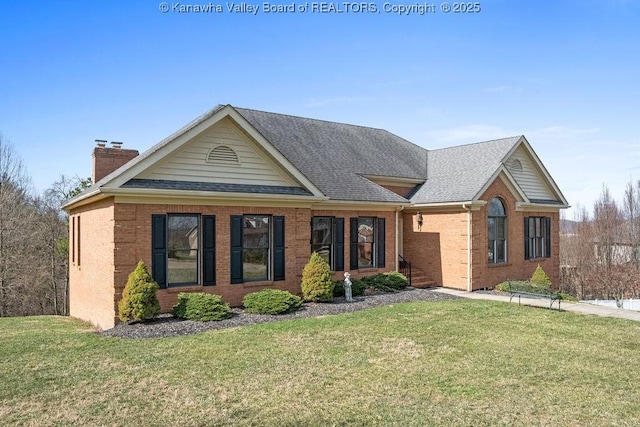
[(526, 173), (222, 154)]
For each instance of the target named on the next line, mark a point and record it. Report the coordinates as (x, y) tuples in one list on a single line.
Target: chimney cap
[(101, 142), (116, 144)]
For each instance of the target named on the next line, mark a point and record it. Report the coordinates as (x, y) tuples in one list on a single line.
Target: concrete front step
[(421, 284)]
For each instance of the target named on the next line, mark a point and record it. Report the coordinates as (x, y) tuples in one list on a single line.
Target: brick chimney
[(107, 159)]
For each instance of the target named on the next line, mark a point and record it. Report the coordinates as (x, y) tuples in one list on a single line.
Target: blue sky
[(566, 74)]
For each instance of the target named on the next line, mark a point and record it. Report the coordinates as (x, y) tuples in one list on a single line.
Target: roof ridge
[(478, 143), (311, 118)]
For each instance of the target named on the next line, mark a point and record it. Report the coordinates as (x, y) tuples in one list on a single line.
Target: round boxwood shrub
[(317, 284), (271, 301), (200, 306), (139, 301)]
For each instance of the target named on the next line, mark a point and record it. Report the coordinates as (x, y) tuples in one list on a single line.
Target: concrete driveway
[(576, 307)]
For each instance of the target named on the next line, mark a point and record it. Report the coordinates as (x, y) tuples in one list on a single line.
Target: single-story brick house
[(238, 199)]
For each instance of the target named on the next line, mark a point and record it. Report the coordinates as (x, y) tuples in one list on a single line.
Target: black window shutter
[(236, 249), (526, 238), (353, 249), (159, 249), (278, 248), (338, 244), (380, 247), (208, 250), (547, 237)]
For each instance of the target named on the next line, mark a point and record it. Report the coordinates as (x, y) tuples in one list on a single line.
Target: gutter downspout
[(397, 239), (468, 209)]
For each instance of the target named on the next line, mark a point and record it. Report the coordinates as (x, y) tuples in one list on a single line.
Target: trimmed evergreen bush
[(271, 301), (200, 306), (357, 288), (540, 278), (139, 301), (386, 282), (317, 284)]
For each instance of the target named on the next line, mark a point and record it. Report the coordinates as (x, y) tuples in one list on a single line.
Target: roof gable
[(220, 154)]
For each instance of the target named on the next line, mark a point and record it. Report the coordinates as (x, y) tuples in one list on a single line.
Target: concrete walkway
[(576, 307)]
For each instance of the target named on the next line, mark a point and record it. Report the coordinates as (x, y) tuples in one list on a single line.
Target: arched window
[(497, 227)]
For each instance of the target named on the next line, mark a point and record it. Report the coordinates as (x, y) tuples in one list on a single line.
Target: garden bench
[(526, 289)]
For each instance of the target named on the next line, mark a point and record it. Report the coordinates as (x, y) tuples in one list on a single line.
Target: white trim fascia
[(348, 205), (274, 152), (510, 183), (539, 207), (472, 204), (554, 187), (92, 197)]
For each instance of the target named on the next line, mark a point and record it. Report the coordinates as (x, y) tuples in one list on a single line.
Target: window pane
[(496, 208), (501, 229), (321, 231), (538, 228), (538, 247), (182, 249), (182, 232), (492, 228), (256, 232), (255, 264), (182, 266), (324, 251), (365, 254), (491, 250), (501, 249), (365, 230)]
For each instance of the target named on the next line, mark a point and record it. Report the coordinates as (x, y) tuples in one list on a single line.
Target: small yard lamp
[(419, 220)]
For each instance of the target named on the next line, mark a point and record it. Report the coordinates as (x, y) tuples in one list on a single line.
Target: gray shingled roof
[(334, 155), (457, 174)]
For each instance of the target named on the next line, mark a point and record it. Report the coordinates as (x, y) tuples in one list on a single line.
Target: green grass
[(459, 363)]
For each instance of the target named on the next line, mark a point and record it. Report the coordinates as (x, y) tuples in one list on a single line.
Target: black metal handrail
[(404, 267)]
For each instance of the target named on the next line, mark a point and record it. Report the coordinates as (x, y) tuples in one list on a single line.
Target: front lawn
[(459, 362)]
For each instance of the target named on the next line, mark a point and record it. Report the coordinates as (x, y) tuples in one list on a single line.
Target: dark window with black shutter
[(537, 237), (257, 248), (327, 240), (183, 249), (208, 250), (159, 249), (367, 246)]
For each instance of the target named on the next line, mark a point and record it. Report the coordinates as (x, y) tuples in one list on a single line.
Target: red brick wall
[(516, 267), (440, 247), (91, 292), (116, 237)]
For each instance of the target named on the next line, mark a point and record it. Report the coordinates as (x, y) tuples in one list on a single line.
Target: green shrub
[(200, 306), (396, 280), (139, 301), (540, 278), (357, 288), (317, 284), (271, 301), (386, 282)]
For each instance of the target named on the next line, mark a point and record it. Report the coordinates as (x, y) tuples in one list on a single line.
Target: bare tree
[(17, 217)]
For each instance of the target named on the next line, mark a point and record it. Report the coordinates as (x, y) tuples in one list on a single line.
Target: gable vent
[(223, 154), (516, 165)]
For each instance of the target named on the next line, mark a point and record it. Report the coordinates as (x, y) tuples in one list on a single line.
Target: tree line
[(600, 250), (34, 244)]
